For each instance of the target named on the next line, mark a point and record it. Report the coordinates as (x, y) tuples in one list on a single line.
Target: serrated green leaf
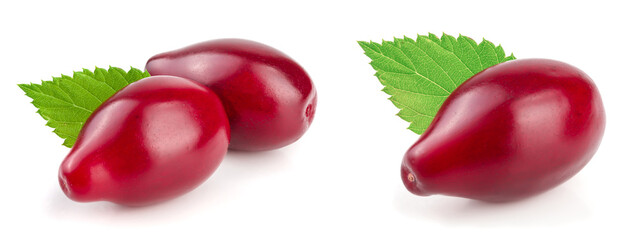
[(419, 74), (66, 102)]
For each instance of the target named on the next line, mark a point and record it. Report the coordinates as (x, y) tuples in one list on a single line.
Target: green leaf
[(66, 102), (420, 74)]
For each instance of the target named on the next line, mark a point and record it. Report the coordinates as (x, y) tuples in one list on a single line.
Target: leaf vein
[(417, 93), (435, 61), (412, 109)]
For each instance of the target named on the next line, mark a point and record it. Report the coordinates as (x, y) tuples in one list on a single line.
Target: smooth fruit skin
[(155, 139), (514, 130), (270, 100)]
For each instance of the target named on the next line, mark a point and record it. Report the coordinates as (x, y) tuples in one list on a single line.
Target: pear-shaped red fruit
[(156, 139), (511, 131), (269, 98)]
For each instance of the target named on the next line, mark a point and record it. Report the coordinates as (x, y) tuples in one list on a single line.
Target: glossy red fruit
[(269, 98), (156, 139), (514, 130)]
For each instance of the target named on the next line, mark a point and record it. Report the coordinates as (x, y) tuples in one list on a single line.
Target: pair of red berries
[(164, 135)]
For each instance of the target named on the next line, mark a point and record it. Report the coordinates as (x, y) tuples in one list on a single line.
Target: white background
[(341, 180)]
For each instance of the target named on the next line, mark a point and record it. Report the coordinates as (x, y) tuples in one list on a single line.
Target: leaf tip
[(23, 85), (67, 144)]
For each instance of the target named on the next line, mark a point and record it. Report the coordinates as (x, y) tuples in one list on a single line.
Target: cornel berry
[(270, 100), (156, 139), (511, 131)]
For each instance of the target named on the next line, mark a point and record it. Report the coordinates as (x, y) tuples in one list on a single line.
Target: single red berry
[(514, 130), (155, 139), (270, 100)]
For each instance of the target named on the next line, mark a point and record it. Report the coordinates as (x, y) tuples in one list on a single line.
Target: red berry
[(514, 130), (156, 139), (269, 99)]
